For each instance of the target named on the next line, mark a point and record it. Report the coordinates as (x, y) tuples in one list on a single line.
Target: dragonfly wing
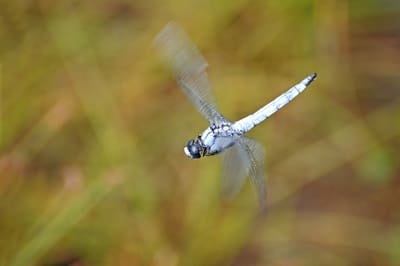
[(255, 153), (189, 67), (244, 158), (235, 163)]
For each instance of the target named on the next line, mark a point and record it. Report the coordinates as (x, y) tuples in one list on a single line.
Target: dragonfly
[(242, 156)]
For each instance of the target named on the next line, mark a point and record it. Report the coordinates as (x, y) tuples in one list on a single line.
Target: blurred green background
[(92, 129)]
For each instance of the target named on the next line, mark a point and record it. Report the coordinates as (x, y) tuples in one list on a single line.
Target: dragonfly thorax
[(212, 141)]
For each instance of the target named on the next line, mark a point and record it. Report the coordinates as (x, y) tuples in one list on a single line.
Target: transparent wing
[(189, 67), (245, 158), (236, 165)]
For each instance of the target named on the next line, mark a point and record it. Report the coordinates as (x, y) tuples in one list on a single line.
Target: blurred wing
[(236, 165), (189, 67), (245, 158)]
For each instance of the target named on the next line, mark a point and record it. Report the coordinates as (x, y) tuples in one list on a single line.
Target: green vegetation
[(92, 129)]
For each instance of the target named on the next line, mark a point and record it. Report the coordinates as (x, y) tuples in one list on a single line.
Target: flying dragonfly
[(242, 156)]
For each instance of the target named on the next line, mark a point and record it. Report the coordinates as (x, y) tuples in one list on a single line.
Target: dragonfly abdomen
[(246, 124)]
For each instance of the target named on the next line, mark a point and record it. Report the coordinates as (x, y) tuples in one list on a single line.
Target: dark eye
[(193, 149)]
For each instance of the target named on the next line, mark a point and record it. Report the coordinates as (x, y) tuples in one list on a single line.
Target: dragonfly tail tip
[(310, 78), (313, 76)]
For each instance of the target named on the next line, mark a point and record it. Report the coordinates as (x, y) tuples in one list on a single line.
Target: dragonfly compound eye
[(193, 149)]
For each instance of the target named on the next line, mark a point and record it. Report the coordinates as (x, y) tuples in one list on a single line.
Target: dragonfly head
[(194, 149)]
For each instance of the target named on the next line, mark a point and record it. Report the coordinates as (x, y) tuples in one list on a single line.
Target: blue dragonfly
[(242, 156)]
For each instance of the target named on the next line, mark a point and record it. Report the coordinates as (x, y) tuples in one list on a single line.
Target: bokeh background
[(92, 170)]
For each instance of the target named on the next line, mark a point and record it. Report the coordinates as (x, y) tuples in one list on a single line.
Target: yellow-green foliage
[(92, 129)]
